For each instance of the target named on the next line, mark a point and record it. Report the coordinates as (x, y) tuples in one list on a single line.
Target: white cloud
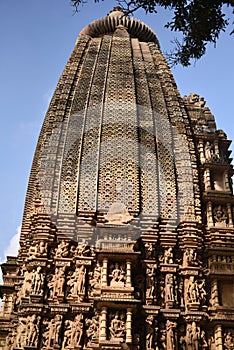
[(11, 249)]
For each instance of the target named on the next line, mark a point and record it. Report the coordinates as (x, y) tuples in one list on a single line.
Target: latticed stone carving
[(127, 234)]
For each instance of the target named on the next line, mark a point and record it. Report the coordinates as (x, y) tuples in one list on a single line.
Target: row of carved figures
[(165, 289), (83, 331)]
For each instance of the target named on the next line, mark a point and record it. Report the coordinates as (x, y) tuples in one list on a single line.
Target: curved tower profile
[(127, 238)]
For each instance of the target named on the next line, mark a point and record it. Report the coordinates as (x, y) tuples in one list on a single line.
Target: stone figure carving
[(169, 288), (57, 282), (37, 282), (53, 331), (77, 282), (168, 256), (192, 337), (191, 256), (220, 215), (149, 332), (196, 100), (170, 326), (92, 329), (136, 342), (208, 150), (117, 275), (95, 278), (33, 330), (211, 343), (203, 342), (63, 250), (67, 334), (76, 330), (149, 251), (37, 250), (196, 292), (20, 340), (228, 340), (26, 287), (117, 326), (150, 280), (83, 249)]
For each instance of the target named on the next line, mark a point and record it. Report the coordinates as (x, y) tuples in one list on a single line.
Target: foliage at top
[(199, 21)]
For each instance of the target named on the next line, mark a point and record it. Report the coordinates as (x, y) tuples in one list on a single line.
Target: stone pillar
[(128, 274), (129, 326), (218, 338), (104, 271), (201, 151), (102, 335), (226, 181), (207, 179), (230, 220), (216, 148), (214, 293), (210, 221)]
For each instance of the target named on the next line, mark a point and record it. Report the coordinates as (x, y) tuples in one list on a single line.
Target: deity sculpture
[(58, 281), (168, 256), (228, 341), (170, 326), (149, 332), (117, 327), (220, 215), (37, 281), (92, 327), (32, 330), (54, 328), (169, 288), (67, 334), (77, 281), (76, 331), (196, 292), (117, 275), (150, 280)]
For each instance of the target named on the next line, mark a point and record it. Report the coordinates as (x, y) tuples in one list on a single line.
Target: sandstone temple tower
[(127, 238)]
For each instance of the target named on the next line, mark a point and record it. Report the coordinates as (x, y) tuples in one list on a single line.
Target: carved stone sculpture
[(37, 282), (169, 288), (117, 276), (117, 327), (228, 340), (190, 256), (95, 278), (168, 256), (54, 328), (220, 215), (149, 332), (26, 287), (76, 331), (83, 249), (63, 250), (92, 327), (58, 281), (77, 282), (33, 330), (150, 280), (170, 326), (21, 336), (67, 334), (196, 292)]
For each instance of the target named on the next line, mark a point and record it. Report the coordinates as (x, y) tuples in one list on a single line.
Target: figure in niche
[(20, 340), (208, 150), (170, 326), (63, 250), (117, 327), (193, 291), (76, 331), (190, 256), (37, 282), (67, 334), (58, 281), (195, 336), (204, 344), (77, 281), (149, 332), (32, 330), (220, 215), (169, 288), (38, 250), (95, 277), (228, 341), (168, 256), (92, 330), (26, 287), (149, 251), (54, 328), (117, 275), (150, 280)]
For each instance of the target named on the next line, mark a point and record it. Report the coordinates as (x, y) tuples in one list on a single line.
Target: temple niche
[(127, 239)]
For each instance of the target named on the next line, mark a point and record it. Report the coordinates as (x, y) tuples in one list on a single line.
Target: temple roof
[(109, 24)]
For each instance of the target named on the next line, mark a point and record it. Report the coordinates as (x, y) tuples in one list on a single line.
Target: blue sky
[(37, 37)]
